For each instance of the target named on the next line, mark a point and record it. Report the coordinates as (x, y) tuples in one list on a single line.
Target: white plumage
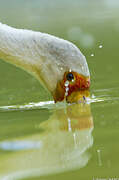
[(44, 55)]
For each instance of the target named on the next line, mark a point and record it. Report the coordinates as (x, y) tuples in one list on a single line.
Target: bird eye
[(70, 76)]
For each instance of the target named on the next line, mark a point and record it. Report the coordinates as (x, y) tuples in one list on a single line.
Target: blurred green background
[(94, 27)]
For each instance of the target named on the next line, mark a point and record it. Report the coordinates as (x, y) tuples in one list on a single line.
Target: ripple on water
[(48, 104), (99, 95)]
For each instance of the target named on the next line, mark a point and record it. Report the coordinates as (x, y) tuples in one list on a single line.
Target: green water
[(32, 136)]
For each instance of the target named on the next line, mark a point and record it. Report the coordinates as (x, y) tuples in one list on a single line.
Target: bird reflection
[(66, 136)]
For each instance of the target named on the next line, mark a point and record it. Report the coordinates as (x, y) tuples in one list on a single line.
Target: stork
[(57, 63)]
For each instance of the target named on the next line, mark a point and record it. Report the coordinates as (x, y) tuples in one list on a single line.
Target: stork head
[(66, 71), (73, 87)]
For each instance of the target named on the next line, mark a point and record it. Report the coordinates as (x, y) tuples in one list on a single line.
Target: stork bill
[(58, 64)]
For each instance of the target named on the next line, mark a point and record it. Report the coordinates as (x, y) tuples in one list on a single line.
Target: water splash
[(31, 105), (105, 96), (47, 105)]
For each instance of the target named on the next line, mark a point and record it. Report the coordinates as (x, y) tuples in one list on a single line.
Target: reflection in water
[(61, 146)]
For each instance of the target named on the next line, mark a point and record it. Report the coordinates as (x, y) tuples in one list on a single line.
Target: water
[(43, 140)]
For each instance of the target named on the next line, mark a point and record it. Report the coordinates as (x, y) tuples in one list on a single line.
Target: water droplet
[(99, 157), (98, 150), (93, 96), (100, 46), (69, 124), (66, 93), (67, 89), (66, 83), (92, 55)]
